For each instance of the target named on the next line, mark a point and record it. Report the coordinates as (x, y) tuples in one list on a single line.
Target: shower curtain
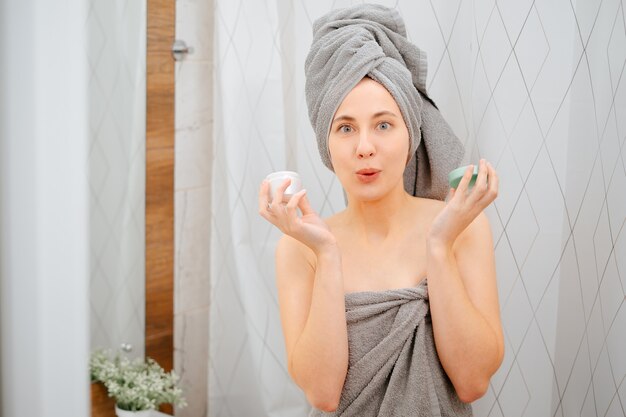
[(533, 86)]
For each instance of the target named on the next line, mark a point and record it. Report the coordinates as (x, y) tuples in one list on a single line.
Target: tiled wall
[(550, 109), (535, 87), (194, 124), (116, 54)]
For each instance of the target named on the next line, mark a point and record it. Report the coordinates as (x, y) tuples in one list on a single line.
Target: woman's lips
[(367, 176)]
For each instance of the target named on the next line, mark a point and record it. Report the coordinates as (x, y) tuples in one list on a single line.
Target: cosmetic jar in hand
[(277, 178)]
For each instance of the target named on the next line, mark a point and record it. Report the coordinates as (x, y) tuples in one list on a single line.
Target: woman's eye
[(384, 126), (345, 129)]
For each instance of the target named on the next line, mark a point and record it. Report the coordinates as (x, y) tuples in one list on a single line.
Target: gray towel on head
[(370, 41), (393, 367)]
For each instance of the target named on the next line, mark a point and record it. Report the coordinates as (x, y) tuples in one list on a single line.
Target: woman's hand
[(463, 207), (309, 229)]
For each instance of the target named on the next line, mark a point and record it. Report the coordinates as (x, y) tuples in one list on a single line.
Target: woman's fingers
[(292, 204), (486, 187), (493, 183), (295, 199), (451, 193), (305, 205), (280, 191), (480, 185), (482, 193), (264, 198), (279, 213), (481, 178), (464, 183)]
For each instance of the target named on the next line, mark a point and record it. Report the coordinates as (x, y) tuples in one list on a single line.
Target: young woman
[(390, 307)]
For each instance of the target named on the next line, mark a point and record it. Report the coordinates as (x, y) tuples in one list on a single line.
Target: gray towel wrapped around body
[(370, 40), (393, 368)]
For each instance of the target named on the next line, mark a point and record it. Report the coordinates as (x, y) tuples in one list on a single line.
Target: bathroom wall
[(116, 55), (194, 143), (548, 104), (590, 340)]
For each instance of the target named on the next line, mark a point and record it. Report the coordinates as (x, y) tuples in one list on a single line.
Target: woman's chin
[(365, 195)]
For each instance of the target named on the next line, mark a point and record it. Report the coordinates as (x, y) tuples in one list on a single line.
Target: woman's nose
[(365, 148)]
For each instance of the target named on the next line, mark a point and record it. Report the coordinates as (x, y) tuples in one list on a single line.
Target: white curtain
[(116, 52), (533, 86)]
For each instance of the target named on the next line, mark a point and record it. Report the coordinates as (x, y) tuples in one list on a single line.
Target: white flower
[(136, 385)]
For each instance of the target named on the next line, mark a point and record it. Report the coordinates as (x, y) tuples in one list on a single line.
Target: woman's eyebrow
[(351, 119), (342, 118), (385, 113)]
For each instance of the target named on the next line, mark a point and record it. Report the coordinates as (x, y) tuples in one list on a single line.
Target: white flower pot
[(125, 413)]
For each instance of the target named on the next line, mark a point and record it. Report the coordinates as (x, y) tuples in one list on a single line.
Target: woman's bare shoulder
[(427, 208), (430, 203), (477, 232), (335, 219)]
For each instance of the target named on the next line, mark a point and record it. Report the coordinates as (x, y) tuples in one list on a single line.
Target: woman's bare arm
[(462, 285), (311, 296), (465, 311), (312, 309)]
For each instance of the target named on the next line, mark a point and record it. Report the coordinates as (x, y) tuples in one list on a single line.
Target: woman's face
[(369, 142)]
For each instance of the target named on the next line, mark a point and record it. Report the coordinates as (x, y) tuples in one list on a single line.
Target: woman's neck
[(379, 220)]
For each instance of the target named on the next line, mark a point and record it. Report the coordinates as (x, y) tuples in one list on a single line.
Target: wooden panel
[(160, 184), (161, 101), (160, 71), (101, 404), (160, 167), (160, 24), (160, 246)]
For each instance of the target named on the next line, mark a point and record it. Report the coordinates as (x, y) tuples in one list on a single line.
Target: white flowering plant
[(135, 385)]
